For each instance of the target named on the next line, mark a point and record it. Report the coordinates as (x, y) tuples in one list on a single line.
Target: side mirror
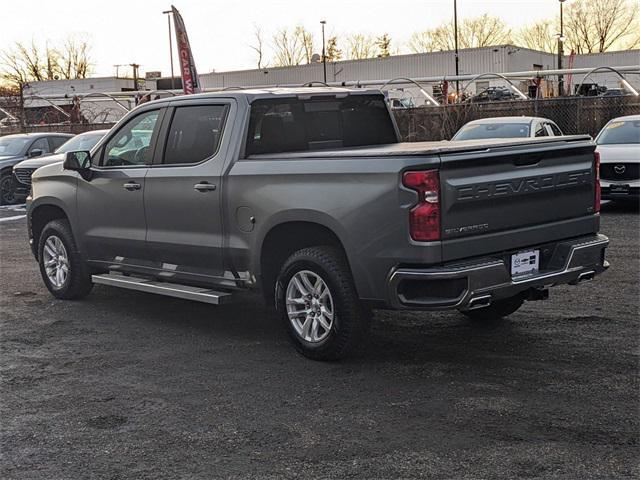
[(36, 152), (79, 162)]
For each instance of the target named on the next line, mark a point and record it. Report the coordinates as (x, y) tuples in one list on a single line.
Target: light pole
[(168, 14), (324, 56), (455, 41), (561, 53)]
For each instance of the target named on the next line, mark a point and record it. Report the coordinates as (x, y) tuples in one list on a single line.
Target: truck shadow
[(404, 337), (620, 208)]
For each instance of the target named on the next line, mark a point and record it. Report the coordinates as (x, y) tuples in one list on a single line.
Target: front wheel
[(498, 309), (63, 270), (318, 303)]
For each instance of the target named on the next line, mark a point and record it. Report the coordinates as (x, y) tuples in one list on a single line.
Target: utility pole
[(455, 40), (168, 14), (135, 67), (324, 56), (561, 53)]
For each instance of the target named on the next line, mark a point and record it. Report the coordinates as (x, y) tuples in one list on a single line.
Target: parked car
[(22, 171), (493, 94), (18, 147), (307, 195), (616, 92), (508, 127), (619, 149)]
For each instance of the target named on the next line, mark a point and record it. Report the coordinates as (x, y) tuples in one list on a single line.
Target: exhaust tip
[(586, 276), (479, 302)]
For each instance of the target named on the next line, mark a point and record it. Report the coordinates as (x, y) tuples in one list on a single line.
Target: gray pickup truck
[(308, 196)]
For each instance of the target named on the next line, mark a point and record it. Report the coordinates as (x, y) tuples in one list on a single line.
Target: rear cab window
[(318, 123), (57, 142)]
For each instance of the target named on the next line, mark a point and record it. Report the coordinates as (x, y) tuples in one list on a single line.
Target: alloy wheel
[(56, 261), (310, 306)]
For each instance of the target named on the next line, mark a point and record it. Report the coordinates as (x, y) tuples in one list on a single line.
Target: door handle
[(204, 187), (131, 186)]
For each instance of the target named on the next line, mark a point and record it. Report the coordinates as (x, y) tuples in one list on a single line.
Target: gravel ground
[(131, 385)]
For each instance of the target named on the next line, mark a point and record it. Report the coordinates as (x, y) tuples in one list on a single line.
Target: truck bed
[(427, 148)]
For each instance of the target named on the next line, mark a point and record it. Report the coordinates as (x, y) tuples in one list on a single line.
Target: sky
[(221, 32)]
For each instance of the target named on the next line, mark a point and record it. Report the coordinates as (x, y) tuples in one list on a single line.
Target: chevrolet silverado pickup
[(308, 196)]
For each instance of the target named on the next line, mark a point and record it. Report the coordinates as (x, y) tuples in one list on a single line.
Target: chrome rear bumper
[(477, 282)]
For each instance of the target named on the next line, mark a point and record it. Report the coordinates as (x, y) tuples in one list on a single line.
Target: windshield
[(80, 143), (492, 130), (619, 133), (12, 146)]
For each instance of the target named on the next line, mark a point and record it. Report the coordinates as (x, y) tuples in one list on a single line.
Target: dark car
[(494, 94), (18, 147), (22, 171)]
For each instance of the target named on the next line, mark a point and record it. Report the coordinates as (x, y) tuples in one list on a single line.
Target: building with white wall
[(496, 59)]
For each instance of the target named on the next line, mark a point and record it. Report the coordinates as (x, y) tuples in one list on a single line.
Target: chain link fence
[(574, 115)]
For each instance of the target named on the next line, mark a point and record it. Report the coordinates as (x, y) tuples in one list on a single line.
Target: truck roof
[(251, 94)]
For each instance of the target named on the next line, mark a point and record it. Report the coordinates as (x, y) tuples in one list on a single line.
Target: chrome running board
[(167, 289)]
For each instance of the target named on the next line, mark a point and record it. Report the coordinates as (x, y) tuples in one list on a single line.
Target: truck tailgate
[(516, 195)]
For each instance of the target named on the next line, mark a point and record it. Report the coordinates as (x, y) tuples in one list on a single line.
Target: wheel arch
[(41, 214), (283, 238)]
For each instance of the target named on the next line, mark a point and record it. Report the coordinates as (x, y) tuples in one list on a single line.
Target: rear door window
[(194, 134), (555, 129), (541, 131), (318, 123), (40, 144), (56, 142)]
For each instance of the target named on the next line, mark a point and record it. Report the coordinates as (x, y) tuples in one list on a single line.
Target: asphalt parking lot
[(131, 385)]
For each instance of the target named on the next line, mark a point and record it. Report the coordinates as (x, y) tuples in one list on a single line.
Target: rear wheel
[(7, 193), (498, 309), (63, 270), (318, 304)]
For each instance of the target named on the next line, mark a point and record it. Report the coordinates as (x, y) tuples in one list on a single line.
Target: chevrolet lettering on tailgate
[(523, 186)]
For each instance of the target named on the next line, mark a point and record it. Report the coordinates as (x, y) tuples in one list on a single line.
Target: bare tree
[(597, 26), (73, 59), (383, 43), (432, 40), (538, 36), (292, 48), (361, 46), (27, 63), (482, 31), (258, 46), (332, 52), (306, 39)]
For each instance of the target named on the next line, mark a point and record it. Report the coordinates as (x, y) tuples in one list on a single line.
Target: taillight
[(424, 218), (596, 205)]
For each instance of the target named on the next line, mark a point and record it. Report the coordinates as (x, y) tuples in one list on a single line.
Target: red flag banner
[(190, 80)]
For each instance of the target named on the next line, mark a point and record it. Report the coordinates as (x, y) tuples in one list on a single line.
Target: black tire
[(498, 309), (350, 319), (7, 192), (77, 283)]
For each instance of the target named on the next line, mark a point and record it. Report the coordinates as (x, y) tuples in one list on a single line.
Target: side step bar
[(162, 288)]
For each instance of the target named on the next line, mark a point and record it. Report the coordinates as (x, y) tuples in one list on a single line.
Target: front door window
[(131, 146)]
